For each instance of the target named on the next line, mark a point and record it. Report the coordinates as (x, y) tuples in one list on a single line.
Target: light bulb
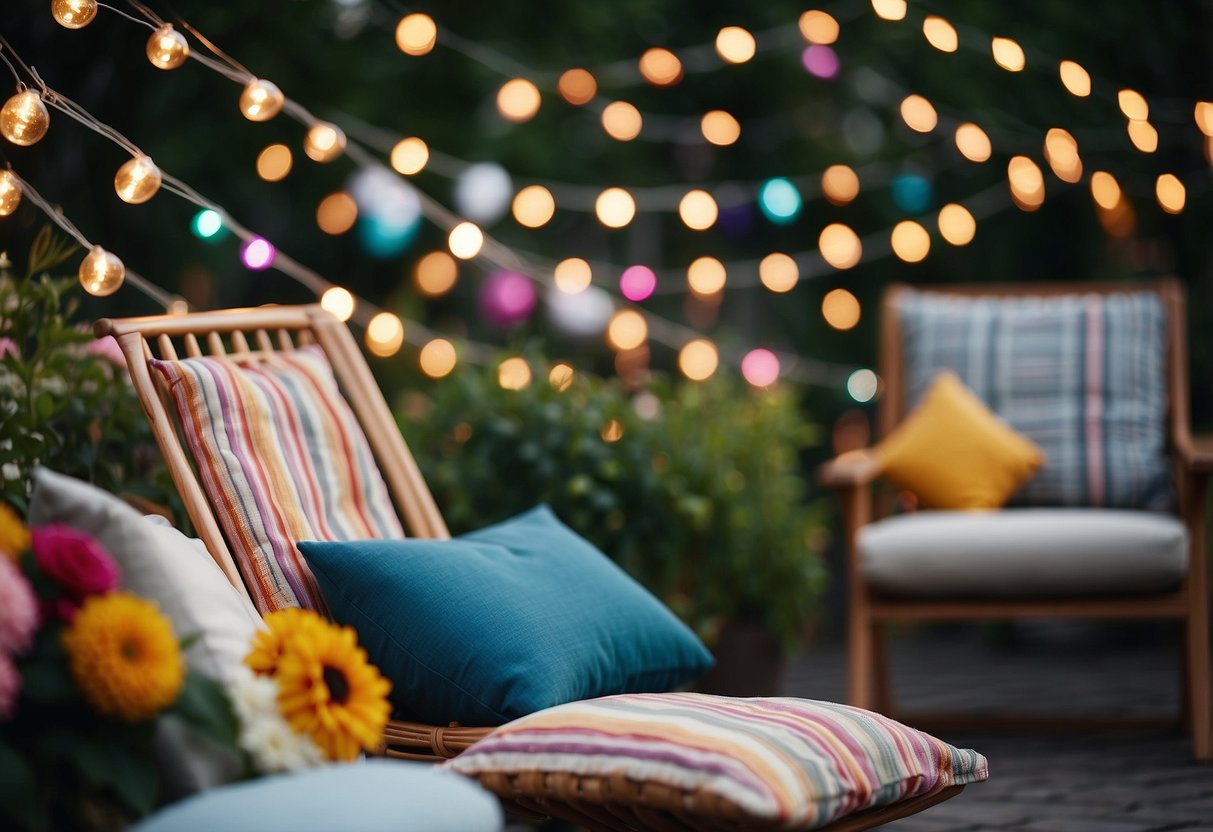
[(338, 302), (465, 240), (324, 142), (24, 119), (101, 273), (261, 100), (10, 192), (74, 14), (138, 180), (167, 48), (384, 334), (416, 34)]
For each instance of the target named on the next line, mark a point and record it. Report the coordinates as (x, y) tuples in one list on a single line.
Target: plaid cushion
[(1082, 376), (282, 459)]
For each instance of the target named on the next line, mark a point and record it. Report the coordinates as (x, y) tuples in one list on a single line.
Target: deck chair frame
[(603, 804)]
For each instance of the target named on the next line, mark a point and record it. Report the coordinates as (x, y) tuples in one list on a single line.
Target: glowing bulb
[(1027, 183), (973, 143), (1133, 105), (627, 330), (437, 358), (561, 377), (778, 272), (839, 246), (514, 373), (918, 114), (818, 27), (573, 275), (261, 100), (840, 309), (534, 206), (10, 192), (324, 142), (698, 359), (698, 210), (637, 283), (257, 254), (101, 273), (889, 9), (338, 302), (615, 207), (518, 100), (384, 335), (137, 180), (760, 368), (1171, 193), (577, 86), (435, 274), (1007, 54), (735, 45), (720, 128), (612, 431), (660, 67), (416, 34), (779, 201), (1075, 79), (1105, 190), (336, 213), (465, 240), (621, 121), (167, 48), (839, 184), (1143, 135), (940, 34), (706, 277), (820, 61), (1061, 152), (956, 224), (409, 156), (24, 119), (862, 385), (207, 224), (1203, 113), (274, 162), (74, 14), (911, 242)]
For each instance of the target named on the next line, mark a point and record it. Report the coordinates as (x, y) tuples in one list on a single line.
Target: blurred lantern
[(435, 274), (918, 114), (615, 207), (1143, 135), (416, 34), (839, 246), (940, 33), (973, 143), (1105, 190), (409, 156), (572, 275), (698, 210), (627, 330), (336, 213), (1027, 183), (735, 45), (779, 272), (912, 192), (818, 27), (577, 86), (534, 206), (389, 211), (465, 240), (324, 142), (1075, 79), (889, 9), (1007, 54), (1133, 105), (507, 298), (698, 359), (820, 61), (514, 373), (10, 192), (583, 314), (137, 180), (760, 367), (274, 162), (839, 184), (706, 277), (437, 358), (101, 273), (1061, 152), (840, 309), (384, 335), (660, 67), (911, 242), (637, 283), (1203, 114), (167, 48), (257, 254), (1171, 193), (261, 100), (956, 224), (621, 121), (779, 201), (720, 128), (74, 14), (338, 302), (483, 192), (518, 100), (24, 119)]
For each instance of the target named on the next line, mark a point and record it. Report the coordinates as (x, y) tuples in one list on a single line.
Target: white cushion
[(1023, 553)]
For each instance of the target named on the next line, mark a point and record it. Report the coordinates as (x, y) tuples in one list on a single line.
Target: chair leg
[(1199, 694), (860, 657), (881, 680)]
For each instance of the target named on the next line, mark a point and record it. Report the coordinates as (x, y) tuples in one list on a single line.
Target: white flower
[(264, 734)]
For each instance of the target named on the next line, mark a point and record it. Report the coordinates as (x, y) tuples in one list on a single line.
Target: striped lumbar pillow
[(282, 459), (790, 763)]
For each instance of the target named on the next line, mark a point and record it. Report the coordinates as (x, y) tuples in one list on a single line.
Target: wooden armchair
[(875, 603)]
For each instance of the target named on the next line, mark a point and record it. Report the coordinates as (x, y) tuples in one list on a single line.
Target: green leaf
[(204, 705), (126, 767), (18, 791)]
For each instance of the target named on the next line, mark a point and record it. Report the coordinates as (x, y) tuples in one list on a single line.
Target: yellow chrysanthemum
[(14, 536), (280, 626), (124, 657), (328, 691)]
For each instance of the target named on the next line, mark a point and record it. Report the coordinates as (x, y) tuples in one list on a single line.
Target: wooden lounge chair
[(598, 802)]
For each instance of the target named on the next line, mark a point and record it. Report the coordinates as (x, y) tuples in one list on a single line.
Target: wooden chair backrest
[(247, 335), (891, 366)]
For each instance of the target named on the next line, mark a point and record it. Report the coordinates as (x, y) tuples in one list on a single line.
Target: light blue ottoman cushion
[(369, 797)]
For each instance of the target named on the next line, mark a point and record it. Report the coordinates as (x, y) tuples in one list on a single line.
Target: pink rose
[(9, 347), (18, 610), (76, 562), (10, 688), (107, 348)]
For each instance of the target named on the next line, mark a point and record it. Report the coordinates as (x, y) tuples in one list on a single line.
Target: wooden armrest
[(1196, 454), (852, 469)]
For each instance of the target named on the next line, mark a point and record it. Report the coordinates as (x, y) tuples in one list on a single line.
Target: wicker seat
[(595, 802)]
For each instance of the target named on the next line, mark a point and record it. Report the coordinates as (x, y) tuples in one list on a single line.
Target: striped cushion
[(1080, 375), (790, 763), (282, 459)]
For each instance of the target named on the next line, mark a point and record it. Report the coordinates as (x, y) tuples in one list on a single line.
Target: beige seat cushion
[(1023, 553)]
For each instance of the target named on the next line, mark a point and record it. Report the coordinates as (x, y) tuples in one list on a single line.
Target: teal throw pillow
[(502, 622)]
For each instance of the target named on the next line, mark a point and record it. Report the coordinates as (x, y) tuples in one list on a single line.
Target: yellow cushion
[(953, 453)]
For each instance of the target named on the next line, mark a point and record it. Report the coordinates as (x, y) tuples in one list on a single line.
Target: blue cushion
[(372, 796), (502, 622)]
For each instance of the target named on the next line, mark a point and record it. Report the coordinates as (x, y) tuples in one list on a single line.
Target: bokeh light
[(1105, 190), (760, 367), (1143, 135), (839, 184), (416, 34), (621, 121), (324, 142), (779, 201), (207, 224), (1203, 114), (637, 283), (956, 224), (912, 192), (1133, 105), (615, 207), (10, 194), (1074, 78), (577, 86), (24, 119), (435, 274), (1171, 193), (698, 210), (465, 240), (940, 33), (561, 377), (660, 67), (518, 100), (1027, 183), (840, 309), (1061, 152), (573, 275), (918, 114), (820, 61), (735, 45), (437, 358), (257, 254), (973, 143), (818, 27), (274, 162), (384, 335), (911, 242), (338, 302), (627, 330), (507, 298), (514, 373), (839, 246), (862, 385), (336, 213), (720, 128), (261, 100), (534, 206), (889, 9), (698, 359), (612, 431), (409, 156), (1007, 54), (778, 272), (101, 272), (706, 277)]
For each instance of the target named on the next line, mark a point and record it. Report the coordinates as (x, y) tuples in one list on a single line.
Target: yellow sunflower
[(280, 626), (124, 657), (327, 690), (14, 537)]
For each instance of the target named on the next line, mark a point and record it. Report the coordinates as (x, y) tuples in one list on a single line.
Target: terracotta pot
[(749, 662)]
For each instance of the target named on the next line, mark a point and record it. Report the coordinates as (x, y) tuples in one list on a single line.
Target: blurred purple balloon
[(507, 298)]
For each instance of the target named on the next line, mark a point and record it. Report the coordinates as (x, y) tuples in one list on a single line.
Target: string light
[(1027, 183), (622, 121), (518, 100), (1133, 105), (10, 192), (384, 334), (258, 254), (918, 114), (336, 213), (840, 309), (1008, 54), (435, 274), (839, 246), (338, 302), (137, 180), (735, 45), (839, 184), (818, 27), (660, 67), (956, 224), (973, 143), (261, 100), (698, 359), (720, 128), (612, 431), (1075, 79), (627, 330), (101, 273), (465, 240), (1143, 135), (889, 9), (1203, 114), (778, 272), (207, 224), (706, 277), (637, 283), (74, 14), (534, 206), (779, 201), (274, 162), (167, 48), (1105, 190), (514, 373), (437, 358), (1061, 152), (1170, 193), (324, 142), (572, 276), (615, 207), (561, 377), (910, 241), (577, 86), (409, 156), (940, 34), (24, 119), (698, 210), (862, 385), (760, 367), (416, 34), (820, 61)]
